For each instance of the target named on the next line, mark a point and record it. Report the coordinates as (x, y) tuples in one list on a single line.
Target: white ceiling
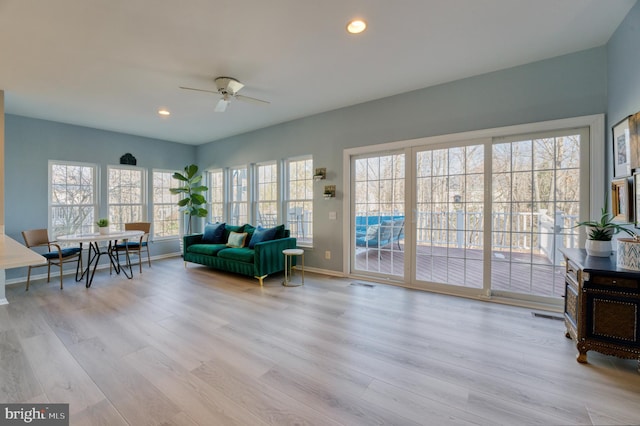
[(112, 64)]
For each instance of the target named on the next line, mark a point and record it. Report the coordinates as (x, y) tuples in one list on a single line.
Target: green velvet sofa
[(262, 259)]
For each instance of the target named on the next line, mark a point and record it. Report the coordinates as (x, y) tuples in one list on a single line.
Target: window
[(238, 211), (299, 199), (125, 186), (216, 195), (166, 216), (72, 198), (267, 194)]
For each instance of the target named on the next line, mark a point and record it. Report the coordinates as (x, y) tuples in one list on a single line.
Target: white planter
[(103, 230), (628, 254), (599, 248)]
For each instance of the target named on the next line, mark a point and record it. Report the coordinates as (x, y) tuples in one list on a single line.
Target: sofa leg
[(261, 279)]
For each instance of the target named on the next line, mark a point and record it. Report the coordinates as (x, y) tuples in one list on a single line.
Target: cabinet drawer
[(613, 282), (613, 319), (572, 270)]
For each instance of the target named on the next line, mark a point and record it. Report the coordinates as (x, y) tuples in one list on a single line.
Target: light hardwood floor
[(197, 347)]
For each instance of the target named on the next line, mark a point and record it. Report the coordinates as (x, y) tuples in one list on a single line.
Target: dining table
[(101, 244)]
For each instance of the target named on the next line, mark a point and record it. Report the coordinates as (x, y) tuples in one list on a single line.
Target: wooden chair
[(136, 247), (55, 256)]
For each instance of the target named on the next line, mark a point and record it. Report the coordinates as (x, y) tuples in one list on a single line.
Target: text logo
[(34, 414)]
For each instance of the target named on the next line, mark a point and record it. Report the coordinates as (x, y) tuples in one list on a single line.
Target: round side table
[(288, 265)]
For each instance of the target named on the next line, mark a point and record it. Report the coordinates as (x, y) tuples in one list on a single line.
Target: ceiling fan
[(228, 88)]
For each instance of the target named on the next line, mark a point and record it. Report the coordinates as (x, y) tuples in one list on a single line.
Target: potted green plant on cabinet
[(600, 232), (192, 190)]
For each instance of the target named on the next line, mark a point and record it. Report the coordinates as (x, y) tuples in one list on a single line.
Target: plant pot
[(103, 230), (599, 248)]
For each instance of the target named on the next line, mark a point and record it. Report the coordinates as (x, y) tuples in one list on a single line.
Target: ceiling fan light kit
[(228, 88)]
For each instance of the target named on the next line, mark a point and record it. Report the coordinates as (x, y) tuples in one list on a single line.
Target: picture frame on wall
[(621, 200), (621, 148)]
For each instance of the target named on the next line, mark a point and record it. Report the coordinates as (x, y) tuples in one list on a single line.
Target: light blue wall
[(567, 86), (623, 72), (31, 143)]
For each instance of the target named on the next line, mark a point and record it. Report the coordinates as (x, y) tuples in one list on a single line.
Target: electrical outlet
[(327, 255)]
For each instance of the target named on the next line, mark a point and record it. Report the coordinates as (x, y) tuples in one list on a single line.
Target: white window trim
[(223, 173), (285, 190), (596, 169), (144, 196), (228, 182), (96, 187), (255, 191), (152, 203)]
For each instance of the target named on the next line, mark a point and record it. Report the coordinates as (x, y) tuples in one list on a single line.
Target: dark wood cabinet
[(602, 306)]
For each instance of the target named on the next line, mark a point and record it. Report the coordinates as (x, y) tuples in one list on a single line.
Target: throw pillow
[(236, 239), (279, 232), (229, 229), (260, 235), (213, 233), (249, 229)]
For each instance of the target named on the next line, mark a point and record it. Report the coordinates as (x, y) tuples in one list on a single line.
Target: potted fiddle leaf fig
[(192, 190), (600, 232)]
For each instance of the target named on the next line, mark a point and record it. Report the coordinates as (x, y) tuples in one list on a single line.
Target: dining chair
[(137, 246), (55, 254)]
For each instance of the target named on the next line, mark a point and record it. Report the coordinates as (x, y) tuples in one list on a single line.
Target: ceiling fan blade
[(221, 106), (252, 100), (199, 90)]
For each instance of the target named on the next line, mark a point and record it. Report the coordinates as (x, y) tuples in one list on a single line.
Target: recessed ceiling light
[(356, 26), (164, 112)]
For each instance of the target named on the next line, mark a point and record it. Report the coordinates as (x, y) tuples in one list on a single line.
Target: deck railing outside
[(525, 231)]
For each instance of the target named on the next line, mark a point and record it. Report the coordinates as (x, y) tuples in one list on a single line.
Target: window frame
[(95, 192), (306, 224), (257, 201), (231, 202), (143, 205), (212, 198), (172, 205)]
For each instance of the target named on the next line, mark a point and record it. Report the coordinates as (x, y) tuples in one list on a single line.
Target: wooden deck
[(514, 272)]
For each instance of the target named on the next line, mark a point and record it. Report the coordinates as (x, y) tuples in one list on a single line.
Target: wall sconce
[(329, 191), (320, 174)]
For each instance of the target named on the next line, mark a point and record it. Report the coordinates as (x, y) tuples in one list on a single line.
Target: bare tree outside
[(73, 202), (166, 214)]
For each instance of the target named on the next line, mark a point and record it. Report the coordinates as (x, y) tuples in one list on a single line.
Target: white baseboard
[(322, 271)]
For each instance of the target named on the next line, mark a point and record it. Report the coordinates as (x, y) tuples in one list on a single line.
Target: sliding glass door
[(485, 217), (379, 219), (537, 180), (449, 215)]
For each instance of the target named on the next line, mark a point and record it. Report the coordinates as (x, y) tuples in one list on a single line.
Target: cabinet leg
[(582, 354), (567, 335)]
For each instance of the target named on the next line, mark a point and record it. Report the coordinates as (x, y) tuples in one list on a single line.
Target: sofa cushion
[(236, 239), (260, 235), (229, 229), (214, 233), (241, 254), (208, 249)]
